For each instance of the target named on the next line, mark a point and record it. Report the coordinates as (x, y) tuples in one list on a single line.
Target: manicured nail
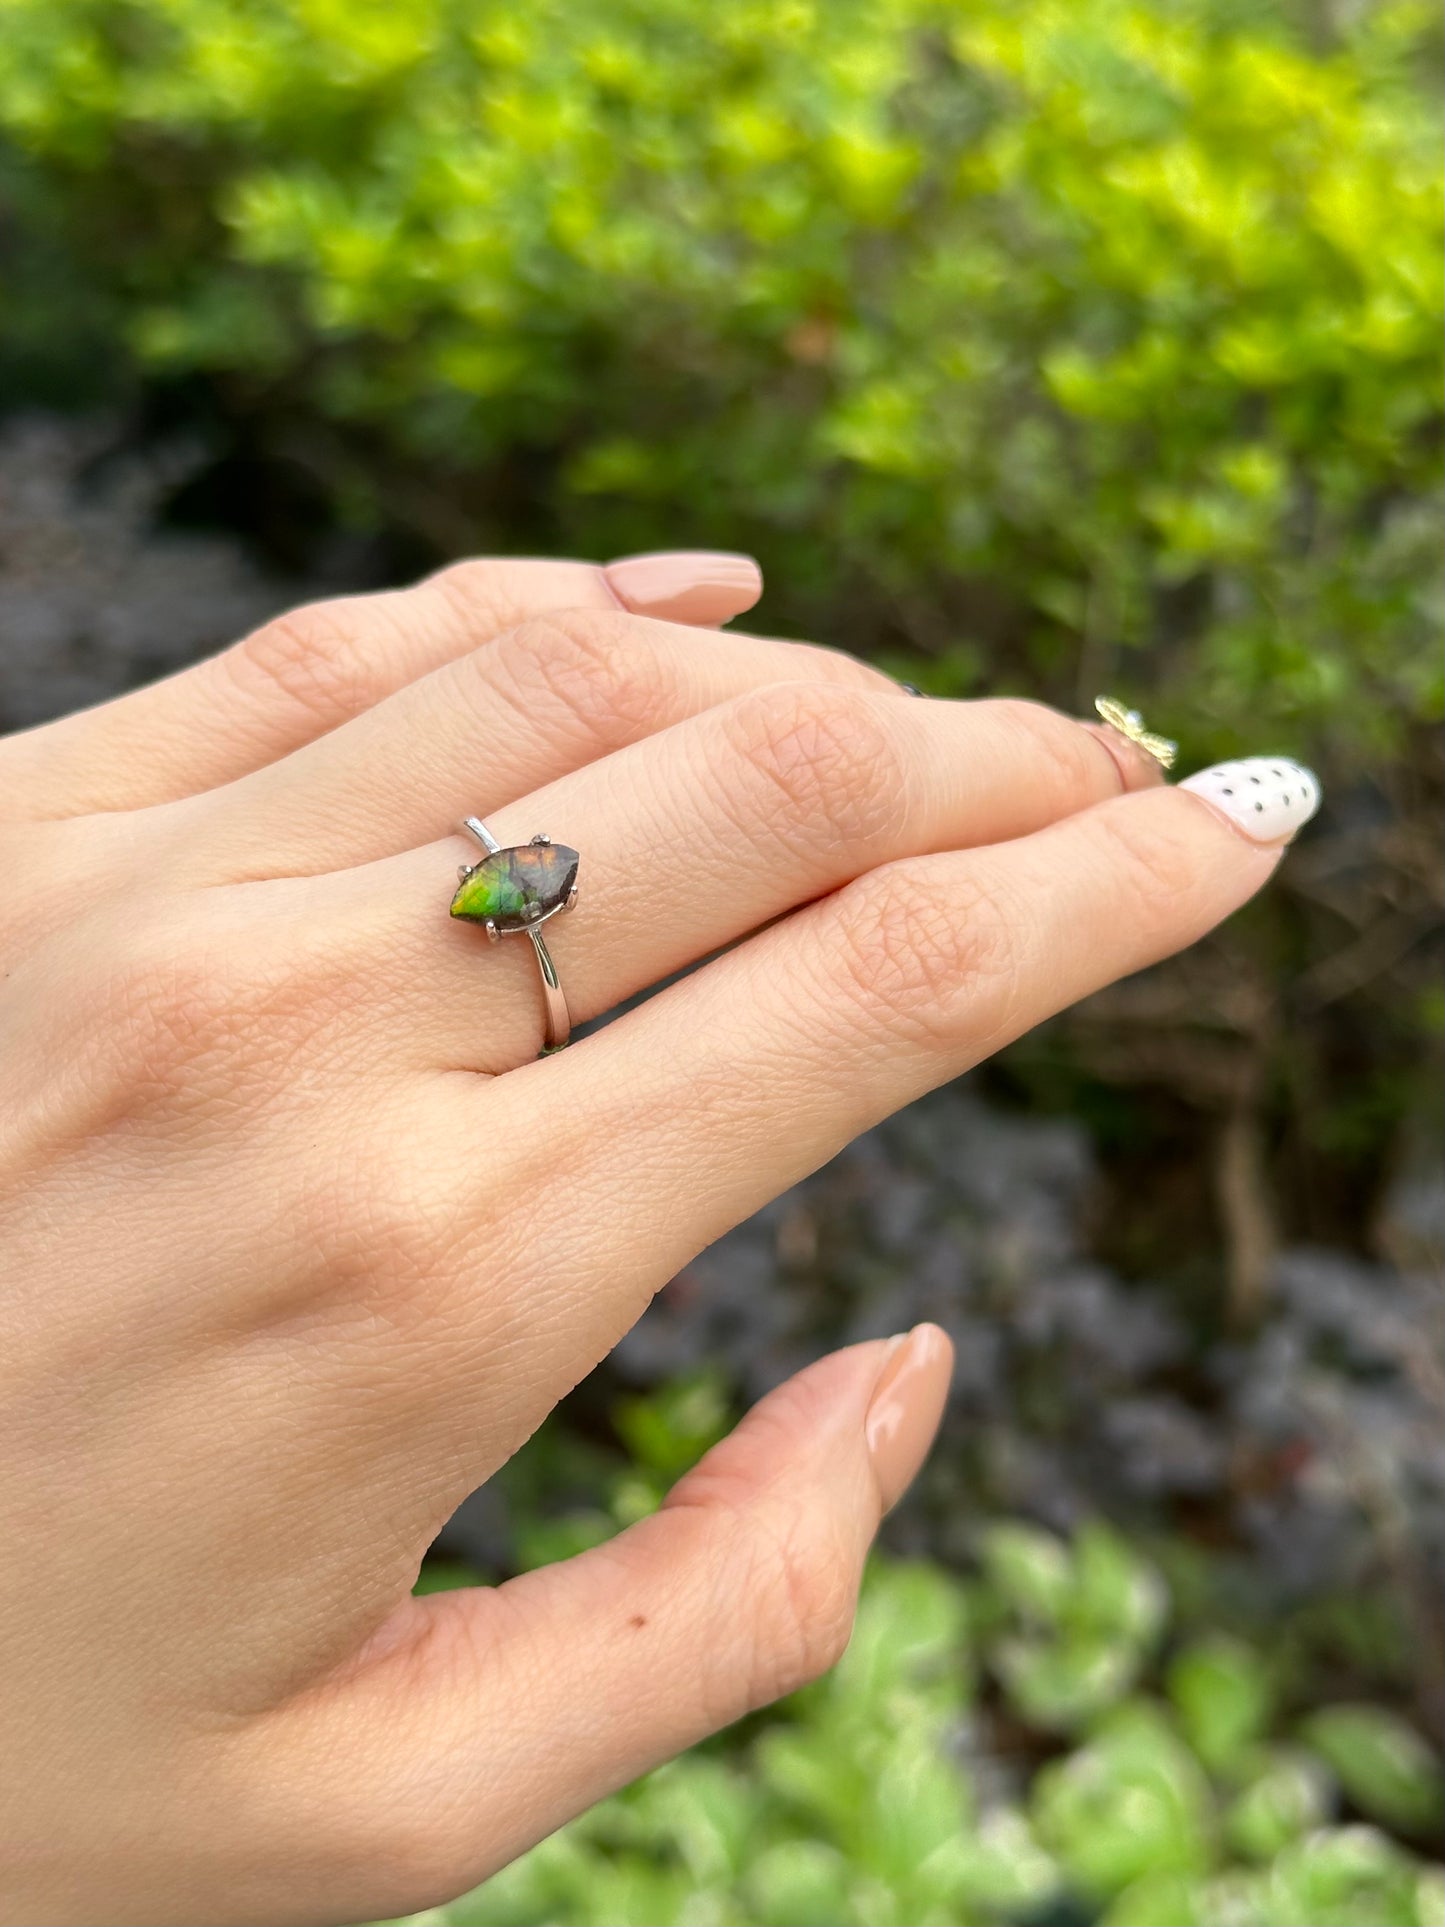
[(906, 1407), (1268, 797), (698, 586)]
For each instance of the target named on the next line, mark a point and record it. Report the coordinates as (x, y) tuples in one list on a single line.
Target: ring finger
[(701, 834)]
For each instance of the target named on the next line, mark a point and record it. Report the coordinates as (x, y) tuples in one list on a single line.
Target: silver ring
[(513, 891)]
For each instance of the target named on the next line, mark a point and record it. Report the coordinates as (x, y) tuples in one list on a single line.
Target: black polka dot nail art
[(1268, 797)]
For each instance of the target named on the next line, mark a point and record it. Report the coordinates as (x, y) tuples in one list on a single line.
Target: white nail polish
[(1268, 797)]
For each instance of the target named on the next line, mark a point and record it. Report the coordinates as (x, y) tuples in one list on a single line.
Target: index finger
[(309, 669)]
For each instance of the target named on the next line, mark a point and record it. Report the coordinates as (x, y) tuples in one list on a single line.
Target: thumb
[(510, 1710)]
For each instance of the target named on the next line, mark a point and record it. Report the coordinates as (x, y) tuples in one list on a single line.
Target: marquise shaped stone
[(514, 889)]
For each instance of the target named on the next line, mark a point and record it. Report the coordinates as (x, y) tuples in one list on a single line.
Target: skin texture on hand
[(301, 1240)]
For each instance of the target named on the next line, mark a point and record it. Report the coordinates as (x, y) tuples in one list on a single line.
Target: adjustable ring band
[(512, 891)]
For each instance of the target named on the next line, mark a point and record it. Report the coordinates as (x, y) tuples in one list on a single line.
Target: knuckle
[(797, 1567), (376, 1226), (156, 1017), (588, 671), (40, 862), (806, 1592), (485, 595), (924, 960), (170, 989), (798, 1574), (311, 656), (1148, 868), (469, 587), (192, 1017), (827, 759), (1057, 751)]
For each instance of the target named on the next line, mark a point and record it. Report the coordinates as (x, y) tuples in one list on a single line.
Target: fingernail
[(699, 586), (1269, 798), (906, 1407)]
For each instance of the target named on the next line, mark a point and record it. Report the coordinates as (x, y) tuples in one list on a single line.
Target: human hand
[(301, 1241)]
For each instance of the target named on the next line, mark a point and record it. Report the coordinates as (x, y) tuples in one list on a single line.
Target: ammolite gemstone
[(516, 888)]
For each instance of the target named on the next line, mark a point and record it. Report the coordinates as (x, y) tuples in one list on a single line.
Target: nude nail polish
[(1269, 798), (697, 586), (906, 1406)]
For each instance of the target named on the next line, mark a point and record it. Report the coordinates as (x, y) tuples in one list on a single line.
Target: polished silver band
[(558, 1017)]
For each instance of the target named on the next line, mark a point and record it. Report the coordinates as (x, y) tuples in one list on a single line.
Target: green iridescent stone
[(513, 889)]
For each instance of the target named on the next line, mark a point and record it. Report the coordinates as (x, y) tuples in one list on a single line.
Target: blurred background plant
[(901, 1789), (1057, 1737), (1048, 349)]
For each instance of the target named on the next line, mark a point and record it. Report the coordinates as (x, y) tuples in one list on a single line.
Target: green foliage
[(1028, 336), (873, 1796), (1383, 1765), (1132, 1802), (1287, 1796), (668, 1432), (1080, 1621), (1221, 1692), (663, 1434)]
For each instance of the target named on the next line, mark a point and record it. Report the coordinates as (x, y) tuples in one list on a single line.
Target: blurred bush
[(1061, 343), (1047, 1739)]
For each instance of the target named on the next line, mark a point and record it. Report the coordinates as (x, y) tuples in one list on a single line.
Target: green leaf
[(542, 1541), (998, 1867), (1222, 1693), (1157, 1898), (708, 1813), (1288, 1795), (1061, 1685), (910, 1632), (798, 1883), (668, 1431), (1350, 1877), (1117, 1592), (1383, 1765), (1430, 1897), (1030, 1568), (1130, 1803)]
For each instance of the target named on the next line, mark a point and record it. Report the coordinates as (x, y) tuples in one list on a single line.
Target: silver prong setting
[(522, 887)]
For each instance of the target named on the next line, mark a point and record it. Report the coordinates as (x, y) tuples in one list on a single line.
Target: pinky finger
[(496, 1715)]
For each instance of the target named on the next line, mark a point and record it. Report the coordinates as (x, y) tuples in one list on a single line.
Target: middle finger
[(550, 695)]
